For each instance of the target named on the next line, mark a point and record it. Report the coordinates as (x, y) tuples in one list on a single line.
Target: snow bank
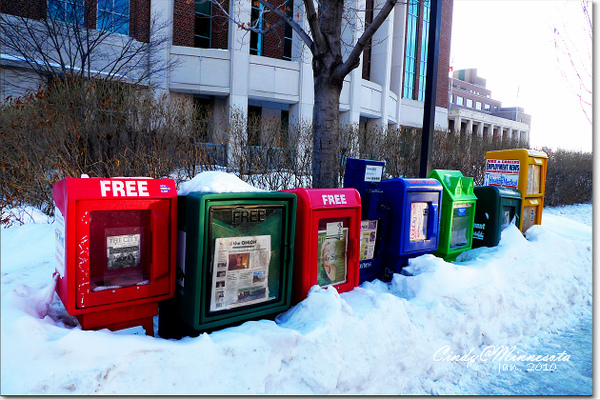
[(376, 339), (217, 182)]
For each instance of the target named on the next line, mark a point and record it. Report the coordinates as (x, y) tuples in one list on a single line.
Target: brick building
[(270, 75)]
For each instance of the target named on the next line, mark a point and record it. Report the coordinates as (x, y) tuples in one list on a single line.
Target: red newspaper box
[(115, 249), (326, 249)]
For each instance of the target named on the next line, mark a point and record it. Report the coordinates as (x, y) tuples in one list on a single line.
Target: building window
[(459, 100), (285, 125), (478, 105), (486, 107), (412, 27), (469, 103), (113, 16), (424, 50), (202, 24), (202, 118), (69, 11), (253, 125), (288, 32), (366, 61), (258, 20)]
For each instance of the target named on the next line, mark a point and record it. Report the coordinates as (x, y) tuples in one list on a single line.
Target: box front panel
[(123, 251), (420, 222), (511, 208), (120, 249), (332, 247), (530, 216), (461, 229), (534, 179), (244, 258)]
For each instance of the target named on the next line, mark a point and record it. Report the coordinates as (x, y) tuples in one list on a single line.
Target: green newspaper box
[(234, 261), (496, 208), (458, 213)]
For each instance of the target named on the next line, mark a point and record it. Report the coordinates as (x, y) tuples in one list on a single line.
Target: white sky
[(511, 43)]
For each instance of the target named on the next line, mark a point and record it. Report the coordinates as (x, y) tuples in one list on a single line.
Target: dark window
[(202, 24), (366, 72), (285, 124), (288, 32), (254, 117), (202, 118)]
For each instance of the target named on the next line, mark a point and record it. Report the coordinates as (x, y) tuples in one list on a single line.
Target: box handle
[(433, 225)]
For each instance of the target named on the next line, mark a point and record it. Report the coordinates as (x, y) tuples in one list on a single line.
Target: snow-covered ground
[(450, 328)]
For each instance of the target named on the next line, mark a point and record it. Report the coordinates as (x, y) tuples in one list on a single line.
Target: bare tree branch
[(290, 21), (353, 59)]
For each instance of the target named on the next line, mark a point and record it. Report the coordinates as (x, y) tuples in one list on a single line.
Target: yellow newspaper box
[(524, 170)]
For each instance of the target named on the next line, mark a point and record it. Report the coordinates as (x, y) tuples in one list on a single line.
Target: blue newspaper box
[(400, 218), (415, 219), (365, 176)]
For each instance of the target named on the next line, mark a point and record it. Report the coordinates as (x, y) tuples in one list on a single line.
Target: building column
[(381, 61), (398, 55), (162, 12), (469, 128), (457, 125), (302, 112), (237, 103), (354, 79)]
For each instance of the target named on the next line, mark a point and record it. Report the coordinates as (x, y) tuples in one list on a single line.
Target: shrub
[(106, 129)]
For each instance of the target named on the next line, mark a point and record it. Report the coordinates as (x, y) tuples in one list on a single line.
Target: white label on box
[(134, 330), (59, 239), (373, 173)]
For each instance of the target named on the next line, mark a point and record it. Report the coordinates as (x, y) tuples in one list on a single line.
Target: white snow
[(217, 182), (395, 338)]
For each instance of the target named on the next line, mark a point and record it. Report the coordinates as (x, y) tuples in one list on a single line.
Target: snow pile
[(217, 182), (376, 339)]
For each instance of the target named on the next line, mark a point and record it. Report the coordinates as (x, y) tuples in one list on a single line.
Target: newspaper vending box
[(115, 249), (524, 170), (495, 209), (458, 213), (415, 214), (365, 176), (234, 261), (327, 237)]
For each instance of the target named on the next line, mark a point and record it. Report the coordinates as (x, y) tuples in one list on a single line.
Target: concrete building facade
[(227, 68), (472, 110)]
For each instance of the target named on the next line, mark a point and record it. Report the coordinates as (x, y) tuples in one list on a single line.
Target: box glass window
[(533, 179), (368, 239), (508, 213), (419, 221), (120, 249), (332, 258), (245, 256), (461, 218), (529, 214)]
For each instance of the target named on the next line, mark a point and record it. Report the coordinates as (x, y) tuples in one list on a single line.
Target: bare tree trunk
[(326, 126)]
